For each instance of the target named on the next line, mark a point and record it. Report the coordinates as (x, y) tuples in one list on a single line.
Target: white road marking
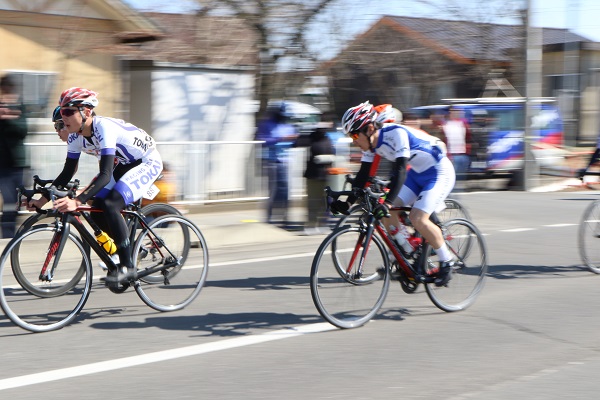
[(559, 225), (263, 259), (110, 365), (517, 230)]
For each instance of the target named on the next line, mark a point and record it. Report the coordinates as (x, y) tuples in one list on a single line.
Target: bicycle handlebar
[(360, 193), (40, 186)]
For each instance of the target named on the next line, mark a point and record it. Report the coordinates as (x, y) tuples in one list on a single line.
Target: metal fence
[(204, 172)]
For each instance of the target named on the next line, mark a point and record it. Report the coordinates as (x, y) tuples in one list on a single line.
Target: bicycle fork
[(57, 245), (360, 251)]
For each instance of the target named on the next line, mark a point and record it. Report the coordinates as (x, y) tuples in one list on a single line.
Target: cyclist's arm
[(67, 173), (361, 179), (62, 179), (102, 179), (397, 179)]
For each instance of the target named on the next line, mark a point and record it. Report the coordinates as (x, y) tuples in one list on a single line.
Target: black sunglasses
[(67, 112), (58, 125)]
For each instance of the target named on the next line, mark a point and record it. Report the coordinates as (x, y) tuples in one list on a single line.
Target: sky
[(579, 16)]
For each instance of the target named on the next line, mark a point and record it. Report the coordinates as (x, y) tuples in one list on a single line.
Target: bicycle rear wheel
[(454, 209), (468, 274), (589, 237), (181, 268), (344, 295), (37, 300), (151, 212)]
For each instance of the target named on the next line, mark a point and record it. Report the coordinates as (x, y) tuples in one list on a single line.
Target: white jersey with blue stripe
[(422, 150), (127, 142)]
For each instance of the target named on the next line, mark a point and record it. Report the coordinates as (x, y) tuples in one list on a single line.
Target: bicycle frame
[(67, 220), (414, 270)]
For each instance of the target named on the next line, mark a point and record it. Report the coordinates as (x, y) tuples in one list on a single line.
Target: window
[(35, 91)]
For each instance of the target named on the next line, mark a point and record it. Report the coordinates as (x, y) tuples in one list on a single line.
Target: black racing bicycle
[(46, 216), (170, 271)]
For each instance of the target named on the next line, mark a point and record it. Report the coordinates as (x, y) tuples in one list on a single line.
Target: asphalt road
[(254, 333)]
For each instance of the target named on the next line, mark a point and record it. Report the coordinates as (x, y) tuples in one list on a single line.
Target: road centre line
[(126, 362)]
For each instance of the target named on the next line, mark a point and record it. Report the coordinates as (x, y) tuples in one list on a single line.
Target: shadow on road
[(225, 325), (526, 271), (263, 283)]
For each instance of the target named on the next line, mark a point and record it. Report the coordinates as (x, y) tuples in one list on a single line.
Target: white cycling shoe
[(114, 257)]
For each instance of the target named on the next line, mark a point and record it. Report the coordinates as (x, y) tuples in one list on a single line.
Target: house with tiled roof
[(417, 61), (57, 44)]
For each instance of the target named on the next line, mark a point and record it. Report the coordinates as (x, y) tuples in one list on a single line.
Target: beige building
[(57, 44)]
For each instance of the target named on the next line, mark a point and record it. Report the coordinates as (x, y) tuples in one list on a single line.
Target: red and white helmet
[(77, 97), (386, 114), (358, 117)]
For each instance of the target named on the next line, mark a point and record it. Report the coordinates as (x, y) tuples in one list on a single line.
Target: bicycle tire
[(33, 288), (179, 285), (454, 209), (25, 307), (355, 214), (468, 275), (349, 300), (35, 219), (588, 237), (151, 212)]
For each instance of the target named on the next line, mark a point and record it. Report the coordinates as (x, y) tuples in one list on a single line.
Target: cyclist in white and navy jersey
[(129, 165), (424, 187)]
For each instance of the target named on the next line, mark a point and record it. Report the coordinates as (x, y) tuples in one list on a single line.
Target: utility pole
[(533, 90)]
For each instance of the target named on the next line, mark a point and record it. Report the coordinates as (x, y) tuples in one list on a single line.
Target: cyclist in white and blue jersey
[(425, 186), (129, 165)]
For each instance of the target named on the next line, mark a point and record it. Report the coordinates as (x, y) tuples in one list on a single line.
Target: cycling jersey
[(431, 176), (138, 161), (422, 150), (127, 142)]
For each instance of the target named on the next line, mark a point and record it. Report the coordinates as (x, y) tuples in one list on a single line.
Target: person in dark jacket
[(13, 159), (320, 160)]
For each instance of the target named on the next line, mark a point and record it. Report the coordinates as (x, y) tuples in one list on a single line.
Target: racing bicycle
[(353, 266), (149, 212), (589, 233), (170, 271)]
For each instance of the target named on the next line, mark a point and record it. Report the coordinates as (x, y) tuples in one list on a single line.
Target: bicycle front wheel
[(33, 287), (589, 237), (349, 278), (50, 290), (355, 215), (178, 269), (468, 275)]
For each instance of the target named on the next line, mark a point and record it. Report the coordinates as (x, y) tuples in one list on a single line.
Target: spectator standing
[(457, 135), (13, 158), (320, 160), (278, 136)]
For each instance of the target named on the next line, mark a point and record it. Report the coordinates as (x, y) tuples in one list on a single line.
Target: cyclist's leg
[(111, 207), (129, 187), (406, 197), (436, 185)]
